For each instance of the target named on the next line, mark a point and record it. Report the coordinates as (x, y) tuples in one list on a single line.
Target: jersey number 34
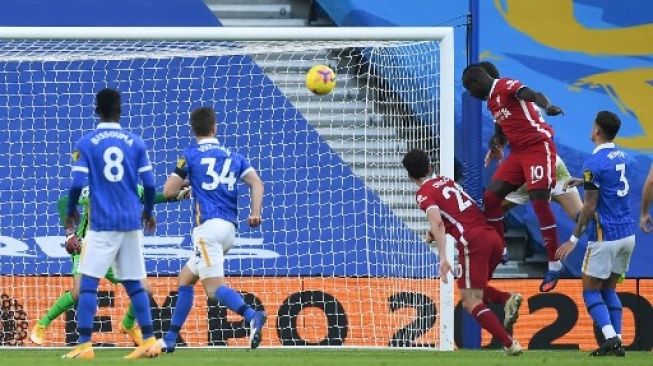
[(225, 177)]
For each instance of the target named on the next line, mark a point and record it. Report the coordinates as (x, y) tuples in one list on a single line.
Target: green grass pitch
[(342, 357)]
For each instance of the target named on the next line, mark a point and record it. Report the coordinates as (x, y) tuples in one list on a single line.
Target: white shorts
[(122, 250), (211, 241), (603, 258)]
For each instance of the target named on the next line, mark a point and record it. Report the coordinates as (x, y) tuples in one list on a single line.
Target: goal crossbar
[(443, 35)]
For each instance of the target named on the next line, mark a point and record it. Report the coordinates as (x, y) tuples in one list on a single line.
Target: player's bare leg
[(473, 303), (570, 203)]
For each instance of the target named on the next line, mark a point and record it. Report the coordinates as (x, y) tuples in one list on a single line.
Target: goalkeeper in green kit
[(74, 242)]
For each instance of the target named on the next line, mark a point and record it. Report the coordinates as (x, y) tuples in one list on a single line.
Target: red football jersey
[(521, 121), (459, 211)]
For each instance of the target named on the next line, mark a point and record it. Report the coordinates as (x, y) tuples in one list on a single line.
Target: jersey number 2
[(225, 177), (621, 168), (463, 202)]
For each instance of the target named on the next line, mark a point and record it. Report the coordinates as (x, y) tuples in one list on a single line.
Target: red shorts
[(479, 254), (535, 166)]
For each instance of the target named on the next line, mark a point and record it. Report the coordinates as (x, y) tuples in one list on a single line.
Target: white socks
[(555, 265)]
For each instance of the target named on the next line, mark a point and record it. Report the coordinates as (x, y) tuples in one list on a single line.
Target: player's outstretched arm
[(256, 197), (540, 99), (645, 221), (62, 209), (173, 186), (587, 213)]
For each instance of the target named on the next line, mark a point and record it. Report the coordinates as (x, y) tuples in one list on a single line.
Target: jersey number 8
[(113, 169), (226, 177)]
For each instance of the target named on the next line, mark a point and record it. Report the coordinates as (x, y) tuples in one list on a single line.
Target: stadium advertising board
[(331, 311)]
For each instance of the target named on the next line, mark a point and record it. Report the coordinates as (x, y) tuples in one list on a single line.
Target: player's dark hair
[(490, 68), (107, 103), (609, 124), (202, 121), (487, 66), (417, 163), (474, 73)]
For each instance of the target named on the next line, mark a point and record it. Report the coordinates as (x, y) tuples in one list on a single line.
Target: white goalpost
[(340, 258)]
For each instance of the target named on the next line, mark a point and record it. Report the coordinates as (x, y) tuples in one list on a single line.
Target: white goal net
[(339, 259)]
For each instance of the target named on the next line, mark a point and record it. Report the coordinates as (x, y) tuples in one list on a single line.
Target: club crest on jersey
[(511, 83), (588, 176), (75, 156), (502, 114)]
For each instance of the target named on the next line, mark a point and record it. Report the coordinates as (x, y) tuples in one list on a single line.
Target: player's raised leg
[(548, 228), (507, 178), (539, 168), (216, 215), (212, 239)]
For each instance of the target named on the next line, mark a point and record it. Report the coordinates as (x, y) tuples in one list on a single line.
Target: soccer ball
[(320, 79)]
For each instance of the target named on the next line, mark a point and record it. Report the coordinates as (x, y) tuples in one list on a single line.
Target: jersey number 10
[(226, 177)]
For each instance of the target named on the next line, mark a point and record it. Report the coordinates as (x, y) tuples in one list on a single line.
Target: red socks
[(493, 211), (547, 221), (490, 322), (492, 295)]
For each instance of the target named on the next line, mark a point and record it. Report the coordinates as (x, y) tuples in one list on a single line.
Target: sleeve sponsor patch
[(588, 176), (181, 162), (75, 156)]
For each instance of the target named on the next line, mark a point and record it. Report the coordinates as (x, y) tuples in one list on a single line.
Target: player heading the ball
[(532, 160), (213, 171), (479, 246), (113, 159)]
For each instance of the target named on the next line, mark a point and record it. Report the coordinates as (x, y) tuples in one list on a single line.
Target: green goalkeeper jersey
[(84, 200)]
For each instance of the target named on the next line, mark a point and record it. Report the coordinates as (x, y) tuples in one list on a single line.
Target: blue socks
[(86, 307), (613, 303), (234, 302), (141, 303), (182, 309), (599, 312)]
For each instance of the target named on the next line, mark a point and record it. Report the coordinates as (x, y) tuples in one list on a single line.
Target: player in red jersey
[(451, 211), (532, 160)]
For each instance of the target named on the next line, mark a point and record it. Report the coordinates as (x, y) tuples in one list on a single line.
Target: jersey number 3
[(226, 177), (621, 168)]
